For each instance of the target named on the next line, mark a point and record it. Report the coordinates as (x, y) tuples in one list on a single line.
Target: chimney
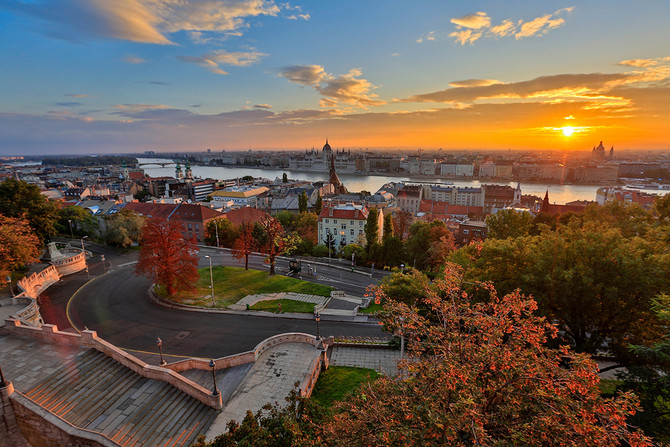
[(330, 212)]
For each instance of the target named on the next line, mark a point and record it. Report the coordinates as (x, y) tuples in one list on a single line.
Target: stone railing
[(38, 282), (71, 264), (89, 339), (244, 357)]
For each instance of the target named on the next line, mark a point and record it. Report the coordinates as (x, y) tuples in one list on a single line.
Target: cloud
[(643, 63), (541, 88), (133, 60), (146, 21), (474, 83), (348, 88), (262, 106), (212, 60), (304, 74), (76, 95), (476, 20), (299, 16), (69, 104), (472, 27), (430, 36)]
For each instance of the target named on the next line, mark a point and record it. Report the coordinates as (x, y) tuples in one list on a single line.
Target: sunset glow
[(568, 131), (159, 75)]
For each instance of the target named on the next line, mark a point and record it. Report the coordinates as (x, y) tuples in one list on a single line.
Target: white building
[(345, 223)]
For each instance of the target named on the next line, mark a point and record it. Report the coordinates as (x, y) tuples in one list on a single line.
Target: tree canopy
[(167, 257), (124, 228), (19, 198), (18, 245)]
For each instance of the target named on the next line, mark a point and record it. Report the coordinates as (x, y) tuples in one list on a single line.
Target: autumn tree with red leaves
[(167, 257), (18, 244), (481, 373), (244, 244), (277, 241)]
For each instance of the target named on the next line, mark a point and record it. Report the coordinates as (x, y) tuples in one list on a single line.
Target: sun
[(568, 130)]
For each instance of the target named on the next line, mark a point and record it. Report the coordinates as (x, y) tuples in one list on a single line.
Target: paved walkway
[(250, 300), (383, 360), (270, 380)]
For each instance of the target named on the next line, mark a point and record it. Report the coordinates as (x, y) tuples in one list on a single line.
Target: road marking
[(67, 308), (127, 264)]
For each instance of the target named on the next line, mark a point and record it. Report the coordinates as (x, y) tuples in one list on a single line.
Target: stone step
[(97, 393)]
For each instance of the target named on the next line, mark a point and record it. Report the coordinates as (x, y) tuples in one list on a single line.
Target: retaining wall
[(73, 264)]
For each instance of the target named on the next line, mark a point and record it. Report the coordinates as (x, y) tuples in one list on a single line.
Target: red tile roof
[(245, 215), (187, 211), (162, 210), (344, 213)]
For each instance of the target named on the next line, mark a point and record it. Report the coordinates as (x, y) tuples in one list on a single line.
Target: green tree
[(78, 219), (371, 228), (302, 202), (318, 205), (420, 245), (662, 208), (393, 251), (287, 220), (19, 198), (124, 228), (508, 223), (225, 229), (593, 282), (284, 178), (388, 227)]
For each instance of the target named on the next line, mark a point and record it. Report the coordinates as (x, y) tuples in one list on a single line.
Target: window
[(334, 221), (360, 231), (344, 226), (466, 231), (351, 223), (189, 227), (326, 220), (351, 232)]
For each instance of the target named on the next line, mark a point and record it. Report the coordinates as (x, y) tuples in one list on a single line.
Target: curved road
[(117, 307)]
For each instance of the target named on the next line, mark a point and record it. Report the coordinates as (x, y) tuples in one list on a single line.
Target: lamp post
[(212, 365), (317, 318), (159, 343), (83, 250), (9, 281), (402, 268), (211, 278), (69, 221)]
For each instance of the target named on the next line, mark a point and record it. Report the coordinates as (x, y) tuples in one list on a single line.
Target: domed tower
[(177, 172), (187, 173), (327, 151)]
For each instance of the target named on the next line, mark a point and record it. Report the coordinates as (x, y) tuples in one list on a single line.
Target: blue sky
[(100, 76)]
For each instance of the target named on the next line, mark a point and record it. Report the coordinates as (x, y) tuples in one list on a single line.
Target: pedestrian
[(279, 307)]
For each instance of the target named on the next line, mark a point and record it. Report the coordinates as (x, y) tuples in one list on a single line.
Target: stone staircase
[(97, 393)]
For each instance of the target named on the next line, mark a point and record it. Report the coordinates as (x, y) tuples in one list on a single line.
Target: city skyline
[(89, 76)]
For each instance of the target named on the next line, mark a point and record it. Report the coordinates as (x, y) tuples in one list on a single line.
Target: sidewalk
[(383, 360)]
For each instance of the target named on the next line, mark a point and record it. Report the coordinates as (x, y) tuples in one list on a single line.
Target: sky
[(103, 76)]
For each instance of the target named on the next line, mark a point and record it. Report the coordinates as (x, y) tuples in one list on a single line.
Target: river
[(557, 193)]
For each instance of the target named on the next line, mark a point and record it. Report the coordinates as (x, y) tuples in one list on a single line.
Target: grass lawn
[(234, 283), (372, 308), (338, 381), (286, 306)]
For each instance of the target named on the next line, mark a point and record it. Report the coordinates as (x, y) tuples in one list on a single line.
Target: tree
[(592, 281), (482, 374), (19, 198), (284, 178), (225, 229), (650, 378), (277, 241), (167, 257), (318, 205), (388, 227), (244, 244), (124, 228), (18, 244), (401, 223), (425, 246), (508, 223), (371, 228), (662, 208), (78, 219), (302, 202), (393, 251)]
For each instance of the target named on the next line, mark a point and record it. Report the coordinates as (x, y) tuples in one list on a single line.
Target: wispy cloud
[(133, 60), (472, 27), (262, 106), (429, 37), (146, 21), (76, 95), (474, 83), (213, 60), (349, 88), (68, 104)]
